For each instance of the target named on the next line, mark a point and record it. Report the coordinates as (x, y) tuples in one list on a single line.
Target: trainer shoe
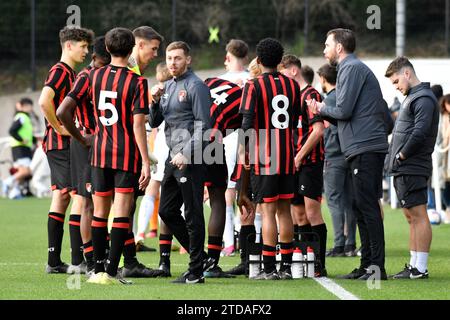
[(60, 268), (189, 278), (95, 278), (267, 276), (141, 247), (355, 274), (106, 279), (165, 270), (81, 268), (404, 274), (238, 270), (285, 274), (209, 263), (335, 252), (350, 250), (320, 272), (152, 234), (217, 272), (369, 275), (416, 274), (138, 270)]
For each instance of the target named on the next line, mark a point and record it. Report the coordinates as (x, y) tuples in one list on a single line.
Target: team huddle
[(253, 136)]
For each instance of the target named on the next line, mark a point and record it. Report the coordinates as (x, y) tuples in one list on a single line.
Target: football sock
[(422, 261), (413, 259), (286, 250), (76, 243), (129, 250), (228, 233), (247, 234), (165, 246), (55, 229), (99, 242), (214, 247), (258, 226), (304, 228), (296, 231), (269, 258), (144, 215), (119, 232), (89, 253)]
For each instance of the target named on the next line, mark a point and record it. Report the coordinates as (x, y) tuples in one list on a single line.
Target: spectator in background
[(21, 132), (337, 177), (443, 141), (307, 74), (431, 204), (395, 108)]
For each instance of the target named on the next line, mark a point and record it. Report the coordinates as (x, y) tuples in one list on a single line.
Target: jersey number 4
[(103, 105), (222, 97)]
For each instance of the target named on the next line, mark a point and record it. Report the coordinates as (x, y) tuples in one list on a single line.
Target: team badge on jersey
[(182, 96)]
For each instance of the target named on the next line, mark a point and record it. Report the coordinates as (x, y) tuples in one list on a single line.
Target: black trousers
[(367, 174), (185, 186)]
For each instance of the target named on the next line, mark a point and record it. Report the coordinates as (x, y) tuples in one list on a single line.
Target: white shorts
[(231, 147), (22, 162), (161, 152)]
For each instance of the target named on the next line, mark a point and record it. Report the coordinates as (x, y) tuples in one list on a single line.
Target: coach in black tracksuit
[(184, 105), (409, 160), (360, 114)]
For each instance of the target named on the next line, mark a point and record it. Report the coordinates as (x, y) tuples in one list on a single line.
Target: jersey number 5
[(103, 105), (283, 111)]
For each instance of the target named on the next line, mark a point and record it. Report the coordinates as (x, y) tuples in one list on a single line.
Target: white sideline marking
[(336, 289)]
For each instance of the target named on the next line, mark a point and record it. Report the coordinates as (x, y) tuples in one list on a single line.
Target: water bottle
[(278, 260), (310, 259), (297, 264), (254, 265)]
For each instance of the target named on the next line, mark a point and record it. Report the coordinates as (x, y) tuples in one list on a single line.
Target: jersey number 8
[(283, 111)]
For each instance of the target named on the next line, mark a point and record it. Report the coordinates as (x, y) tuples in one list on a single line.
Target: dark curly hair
[(100, 49), (71, 33), (270, 52)]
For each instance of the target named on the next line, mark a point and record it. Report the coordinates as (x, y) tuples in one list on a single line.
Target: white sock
[(258, 225), (413, 259), (145, 214), (228, 232), (422, 261)]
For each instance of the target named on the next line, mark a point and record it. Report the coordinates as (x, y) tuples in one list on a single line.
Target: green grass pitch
[(23, 255)]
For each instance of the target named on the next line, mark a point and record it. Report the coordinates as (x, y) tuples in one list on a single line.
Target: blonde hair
[(254, 69), (162, 73)]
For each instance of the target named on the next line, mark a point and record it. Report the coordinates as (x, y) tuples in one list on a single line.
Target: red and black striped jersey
[(305, 127), (85, 111), (226, 100), (60, 78), (273, 101), (117, 95)]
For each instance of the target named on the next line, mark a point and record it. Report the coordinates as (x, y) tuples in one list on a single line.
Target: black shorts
[(270, 188), (308, 183), (217, 174), (80, 169), (59, 163), (106, 181), (21, 152), (411, 190)]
